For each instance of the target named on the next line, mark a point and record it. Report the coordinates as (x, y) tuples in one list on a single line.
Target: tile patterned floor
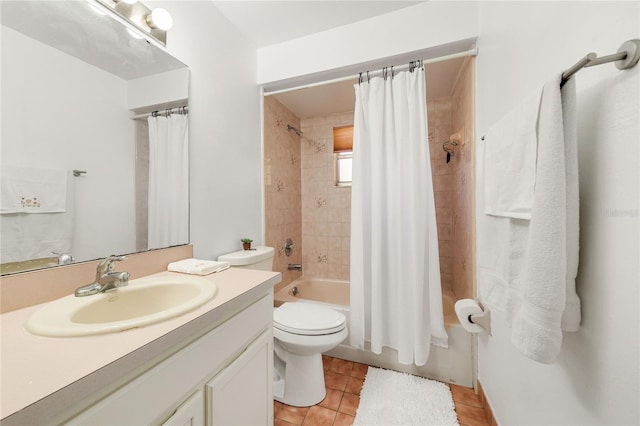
[(343, 380)]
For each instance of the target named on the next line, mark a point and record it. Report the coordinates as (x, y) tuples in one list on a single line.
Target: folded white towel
[(510, 158), (197, 267), (551, 258), (33, 190)]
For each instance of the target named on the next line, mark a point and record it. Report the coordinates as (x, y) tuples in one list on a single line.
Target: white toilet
[(302, 332)]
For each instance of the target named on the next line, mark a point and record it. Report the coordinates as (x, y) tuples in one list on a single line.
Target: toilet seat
[(308, 319)]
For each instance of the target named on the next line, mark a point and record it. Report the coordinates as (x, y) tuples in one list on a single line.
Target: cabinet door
[(241, 394), (190, 413)]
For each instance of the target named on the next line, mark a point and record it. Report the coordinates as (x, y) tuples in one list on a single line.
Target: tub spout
[(294, 267)]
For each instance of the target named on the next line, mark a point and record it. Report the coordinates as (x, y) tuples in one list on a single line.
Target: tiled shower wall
[(142, 185), (283, 212), (463, 208), (326, 208), (444, 183), (453, 184)]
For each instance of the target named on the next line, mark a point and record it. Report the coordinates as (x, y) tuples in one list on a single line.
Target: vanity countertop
[(42, 373)]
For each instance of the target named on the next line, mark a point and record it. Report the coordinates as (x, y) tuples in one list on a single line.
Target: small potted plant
[(246, 243)]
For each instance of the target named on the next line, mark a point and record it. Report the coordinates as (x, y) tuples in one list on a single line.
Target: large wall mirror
[(73, 78)]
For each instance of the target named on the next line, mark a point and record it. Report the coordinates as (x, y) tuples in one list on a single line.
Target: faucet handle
[(107, 264)]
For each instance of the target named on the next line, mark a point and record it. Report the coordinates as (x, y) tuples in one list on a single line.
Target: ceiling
[(340, 97), (269, 22)]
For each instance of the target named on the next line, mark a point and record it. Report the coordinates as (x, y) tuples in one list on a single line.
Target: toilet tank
[(257, 258)]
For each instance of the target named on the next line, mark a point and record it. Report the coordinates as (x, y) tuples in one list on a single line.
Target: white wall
[(60, 112), (158, 91), (333, 53), (224, 110), (595, 379)]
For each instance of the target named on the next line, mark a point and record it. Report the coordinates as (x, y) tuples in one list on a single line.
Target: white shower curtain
[(168, 181), (396, 299)]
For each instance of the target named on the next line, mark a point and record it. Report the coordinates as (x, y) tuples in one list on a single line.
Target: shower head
[(298, 132)]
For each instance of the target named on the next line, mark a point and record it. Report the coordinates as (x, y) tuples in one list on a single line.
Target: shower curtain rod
[(471, 52), (176, 110)]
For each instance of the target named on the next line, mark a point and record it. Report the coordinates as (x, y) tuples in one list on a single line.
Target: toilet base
[(298, 381)]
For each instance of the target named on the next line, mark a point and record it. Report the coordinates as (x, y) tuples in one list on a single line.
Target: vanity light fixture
[(159, 18), (154, 23)]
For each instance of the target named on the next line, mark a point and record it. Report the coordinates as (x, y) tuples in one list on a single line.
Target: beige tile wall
[(463, 224), (142, 184), (453, 184), (283, 212), (444, 181), (326, 208)]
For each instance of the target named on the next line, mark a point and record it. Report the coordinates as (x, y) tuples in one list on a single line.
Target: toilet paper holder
[(483, 319)]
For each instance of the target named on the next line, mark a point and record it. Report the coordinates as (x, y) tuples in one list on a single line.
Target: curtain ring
[(392, 72), (359, 79), (384, 73), (154, 113), (368, 79)]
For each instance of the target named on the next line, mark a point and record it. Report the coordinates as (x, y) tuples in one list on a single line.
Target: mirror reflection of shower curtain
[(396, 299), (168, 202)]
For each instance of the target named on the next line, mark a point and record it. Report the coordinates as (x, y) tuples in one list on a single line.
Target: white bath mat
[(392, 398)]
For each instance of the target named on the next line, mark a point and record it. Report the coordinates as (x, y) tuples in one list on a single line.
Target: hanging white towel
[(33, 190), (34, 236), (510, 158), (527, 268), (537, 326)]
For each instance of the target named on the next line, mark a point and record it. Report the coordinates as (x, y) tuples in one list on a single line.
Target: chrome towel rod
[(627, 57)]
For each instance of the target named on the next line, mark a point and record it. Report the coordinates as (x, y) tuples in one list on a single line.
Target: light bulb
[(159, 18)]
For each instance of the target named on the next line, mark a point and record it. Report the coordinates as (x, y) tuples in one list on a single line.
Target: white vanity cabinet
[(233, 396), (191, 412), (222, 378)]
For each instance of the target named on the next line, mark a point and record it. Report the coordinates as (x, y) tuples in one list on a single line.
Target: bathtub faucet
[(294, 267)]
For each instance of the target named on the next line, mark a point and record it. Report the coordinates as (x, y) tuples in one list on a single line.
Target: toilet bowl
[(302, 332)]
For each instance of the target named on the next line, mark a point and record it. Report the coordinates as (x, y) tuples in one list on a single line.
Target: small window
[(343, 164), (342, 155)]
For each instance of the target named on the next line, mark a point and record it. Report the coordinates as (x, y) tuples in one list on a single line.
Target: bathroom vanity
[(211, 365)]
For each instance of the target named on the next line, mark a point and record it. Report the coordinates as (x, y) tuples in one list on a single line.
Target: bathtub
[(451, 365)]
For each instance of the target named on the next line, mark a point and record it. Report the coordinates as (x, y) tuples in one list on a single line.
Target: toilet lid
[(308, 319)]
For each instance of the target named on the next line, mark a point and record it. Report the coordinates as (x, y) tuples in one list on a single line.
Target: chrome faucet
[(294, 267), (105, 279)]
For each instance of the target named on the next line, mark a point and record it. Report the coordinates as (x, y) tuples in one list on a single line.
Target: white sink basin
[(144, 301)]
